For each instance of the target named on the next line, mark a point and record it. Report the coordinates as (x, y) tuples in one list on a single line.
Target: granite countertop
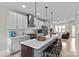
[(38, 44)]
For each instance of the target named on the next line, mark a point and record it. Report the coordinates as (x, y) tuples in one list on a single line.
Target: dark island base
[(26, 51)]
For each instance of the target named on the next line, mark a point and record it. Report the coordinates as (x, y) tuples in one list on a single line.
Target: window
[(73, 30), (56, 28), (60, 28), (63, 28)]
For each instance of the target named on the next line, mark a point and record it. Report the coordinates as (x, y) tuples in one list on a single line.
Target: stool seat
[(54, 49)]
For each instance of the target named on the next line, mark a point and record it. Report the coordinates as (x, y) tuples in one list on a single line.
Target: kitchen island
[(35, 48)]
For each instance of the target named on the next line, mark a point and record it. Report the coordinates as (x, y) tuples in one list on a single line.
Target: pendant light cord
[(46, 12), (35, 9), (51, 15)]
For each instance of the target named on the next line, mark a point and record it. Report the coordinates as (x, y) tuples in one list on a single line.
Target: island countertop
[(33, 43)]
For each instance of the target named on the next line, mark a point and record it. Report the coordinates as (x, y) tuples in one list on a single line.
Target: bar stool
[(57, 46), (54, 49)]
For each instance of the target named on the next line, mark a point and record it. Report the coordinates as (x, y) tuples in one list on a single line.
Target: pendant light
[(50, 21), (45, 15), (51, 15), (46, 12), (47, 22)]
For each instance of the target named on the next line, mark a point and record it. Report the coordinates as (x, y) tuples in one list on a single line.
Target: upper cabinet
[(25, 22), (17, 21), (22, 21), (11, 23)]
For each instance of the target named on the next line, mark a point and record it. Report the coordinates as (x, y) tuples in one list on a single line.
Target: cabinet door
[(16, 20), (11, 23), (25, 22), (20, 21), (14, 45)]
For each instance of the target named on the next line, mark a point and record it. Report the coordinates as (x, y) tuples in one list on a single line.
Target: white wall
[(77, 32), (3, 28)]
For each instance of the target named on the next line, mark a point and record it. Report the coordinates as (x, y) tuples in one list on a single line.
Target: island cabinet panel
[(26, 51)]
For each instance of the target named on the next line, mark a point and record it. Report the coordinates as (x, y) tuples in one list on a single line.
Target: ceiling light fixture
[(44, 17), (46, 11), (23, 6), (38, 13), (78, 12), (51, 15)]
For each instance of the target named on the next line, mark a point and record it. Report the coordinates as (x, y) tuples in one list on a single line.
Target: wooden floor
[(68, 48)]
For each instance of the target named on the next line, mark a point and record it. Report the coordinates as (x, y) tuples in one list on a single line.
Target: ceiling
[(62, 11)]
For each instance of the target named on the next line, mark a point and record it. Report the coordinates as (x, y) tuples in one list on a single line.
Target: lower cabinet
[(15, 44)]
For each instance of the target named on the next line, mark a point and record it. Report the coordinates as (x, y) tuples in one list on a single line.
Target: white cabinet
[(22, 21), (25, 22), (15, 43), (11, 23), (16, 20)]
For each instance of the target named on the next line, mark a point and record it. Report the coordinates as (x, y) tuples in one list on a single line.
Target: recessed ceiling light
[(23, 6), (45, 17), (38, 13), (78, 12)]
